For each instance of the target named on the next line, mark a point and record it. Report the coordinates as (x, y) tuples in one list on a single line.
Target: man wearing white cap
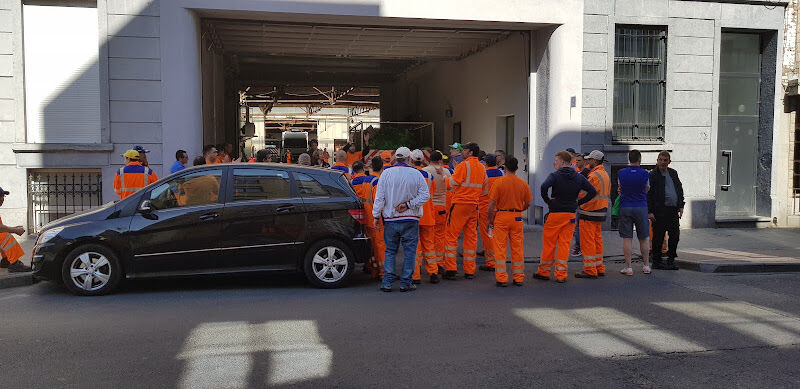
[(592, 214), (401, 193)]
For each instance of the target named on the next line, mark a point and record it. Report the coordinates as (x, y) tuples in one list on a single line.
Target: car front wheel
[(329, 264), (91, 270)]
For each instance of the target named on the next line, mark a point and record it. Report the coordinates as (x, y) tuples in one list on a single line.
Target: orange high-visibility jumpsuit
[(556, 235), (426, 249), (439, 198), (362, 185), (511, 195), (378, 245), (353, 156), (467, 183), (592, 215), (493, 174), (131, 178), (9, 247)]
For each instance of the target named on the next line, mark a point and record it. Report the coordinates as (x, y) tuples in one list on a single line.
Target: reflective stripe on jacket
[(428, 211), (596, 208), (132, 177), (362, 185), (468, 182)]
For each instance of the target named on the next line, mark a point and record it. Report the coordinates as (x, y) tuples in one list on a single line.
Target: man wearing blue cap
[(142, 155)]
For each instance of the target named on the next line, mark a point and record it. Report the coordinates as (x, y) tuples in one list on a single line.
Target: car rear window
[(260, 184), (309, 187)]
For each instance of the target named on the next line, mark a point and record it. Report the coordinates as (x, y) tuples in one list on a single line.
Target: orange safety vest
[(9, 247), (468, 182), (131, 178), (362, 185), (602, 183), (352, 157), (428, 211)]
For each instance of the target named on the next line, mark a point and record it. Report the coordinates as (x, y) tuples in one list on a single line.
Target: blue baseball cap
[(4, 192), (141, 149)]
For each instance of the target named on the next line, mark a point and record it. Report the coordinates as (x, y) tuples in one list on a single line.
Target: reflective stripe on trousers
[(556, 235)]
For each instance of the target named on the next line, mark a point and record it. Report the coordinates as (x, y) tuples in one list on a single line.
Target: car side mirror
[(146, 210)]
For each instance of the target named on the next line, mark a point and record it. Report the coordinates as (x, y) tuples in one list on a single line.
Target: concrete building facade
[(530, 77)]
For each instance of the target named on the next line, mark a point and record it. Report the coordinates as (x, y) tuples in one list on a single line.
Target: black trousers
[(666, 220)]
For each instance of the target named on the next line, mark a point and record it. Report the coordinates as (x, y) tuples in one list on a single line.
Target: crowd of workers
[(426, 206)]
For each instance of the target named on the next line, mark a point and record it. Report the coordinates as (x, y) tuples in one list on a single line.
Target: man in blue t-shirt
[(181, 159), (633, 183)]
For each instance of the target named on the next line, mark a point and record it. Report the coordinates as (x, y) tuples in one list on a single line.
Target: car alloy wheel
[(329, 264), (90, 271)]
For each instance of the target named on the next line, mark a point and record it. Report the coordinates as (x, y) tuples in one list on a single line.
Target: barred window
[(639, 83)]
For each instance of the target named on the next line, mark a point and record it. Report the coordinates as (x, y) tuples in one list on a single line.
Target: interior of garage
[(469, 80)]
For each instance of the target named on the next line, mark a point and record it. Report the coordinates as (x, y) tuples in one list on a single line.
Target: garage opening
[(276, 86)]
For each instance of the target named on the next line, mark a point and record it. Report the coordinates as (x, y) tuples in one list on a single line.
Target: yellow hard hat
[(132, 154)]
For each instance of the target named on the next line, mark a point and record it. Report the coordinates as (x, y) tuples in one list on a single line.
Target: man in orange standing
[(489, 252), (509, 197), (362, 185), (378, 245), (440, 174), (468, 182), (10, 250), (426, 249), (386, 156), (133, 176), (559, 223), (591, 215)]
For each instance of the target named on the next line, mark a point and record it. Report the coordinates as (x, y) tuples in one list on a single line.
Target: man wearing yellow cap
[(133, 176)]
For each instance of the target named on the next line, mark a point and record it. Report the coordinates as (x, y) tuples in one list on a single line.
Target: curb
[(738, 267), (14, 280)]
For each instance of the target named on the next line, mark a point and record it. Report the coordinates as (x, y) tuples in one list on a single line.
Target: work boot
[(4, 263), (501, 284), (416, 282), (540, 277), (442, 270), (584, 274), (561, 281), (480, 253), (486, 268), (601, 274), (450, 275), (658, 262), (469, 276), (434, 278), (409, 288), (670, 265), (18, 267), (517, 283)]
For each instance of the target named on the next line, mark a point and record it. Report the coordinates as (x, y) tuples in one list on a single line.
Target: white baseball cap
[(417, 155), (402, 152), (595, 154)]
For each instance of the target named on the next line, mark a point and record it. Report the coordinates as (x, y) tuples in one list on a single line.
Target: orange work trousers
[(463, 217), (378, 251), (556, 235), (426, 252), (489, 252), (508, 226), (441, 233), (592, 247), (10, 248)]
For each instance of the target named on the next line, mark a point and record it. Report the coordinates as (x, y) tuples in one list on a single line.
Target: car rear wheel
[(91, 270), (329, 264)]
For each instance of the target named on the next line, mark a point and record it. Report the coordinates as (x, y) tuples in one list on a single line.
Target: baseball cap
[(386, 155), (132, 154), (141, 149), (445, 157), (402, 152), (417, 155), (571, 150), (456, 146), (4, 192), (490, 159), (596, 154)]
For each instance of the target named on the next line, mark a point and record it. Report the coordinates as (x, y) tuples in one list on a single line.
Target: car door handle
[(284, 209), (209, 216)]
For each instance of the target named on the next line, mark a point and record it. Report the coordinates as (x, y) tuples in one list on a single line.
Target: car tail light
[(359, 215)]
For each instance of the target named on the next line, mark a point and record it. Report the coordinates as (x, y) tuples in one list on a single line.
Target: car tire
[(91, 270), (329, 264)]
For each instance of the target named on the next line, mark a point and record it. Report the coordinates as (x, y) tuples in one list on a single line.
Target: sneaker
[(4, 263), (500, 284), (18, 267), (434, 278), (576, 253), (646, 269), (416, 282), (450, 275), (409, 288), (386, 289), (540, 277), (583, 274), (627, 271), (486, 268), (517, 283), (469, 276)]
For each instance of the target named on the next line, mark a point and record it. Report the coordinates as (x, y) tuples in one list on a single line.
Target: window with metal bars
[(53, 194), (640, 54)]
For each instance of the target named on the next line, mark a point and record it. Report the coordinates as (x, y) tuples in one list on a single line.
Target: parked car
[(212, 219)]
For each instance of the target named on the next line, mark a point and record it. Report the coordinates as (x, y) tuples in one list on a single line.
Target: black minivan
[(212, 219)]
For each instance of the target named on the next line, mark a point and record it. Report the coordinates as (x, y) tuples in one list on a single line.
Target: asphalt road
[(669, 329)]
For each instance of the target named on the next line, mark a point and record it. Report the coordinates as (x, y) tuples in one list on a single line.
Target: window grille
[(639, 84), (53, 194)]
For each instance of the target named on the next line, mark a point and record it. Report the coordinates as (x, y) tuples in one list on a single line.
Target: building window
[(53, 194), (639, 83)]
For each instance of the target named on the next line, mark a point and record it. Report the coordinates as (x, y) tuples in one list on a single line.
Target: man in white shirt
[(399, 198)]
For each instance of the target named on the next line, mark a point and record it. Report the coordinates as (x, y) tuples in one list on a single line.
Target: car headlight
[(48, 235)]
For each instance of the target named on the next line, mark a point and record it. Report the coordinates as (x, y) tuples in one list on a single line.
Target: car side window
[(198, 188), (309, 187), (260, 184)]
